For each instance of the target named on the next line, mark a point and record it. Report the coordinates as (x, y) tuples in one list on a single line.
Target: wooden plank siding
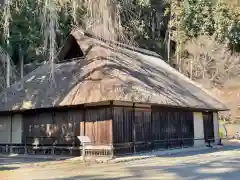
[(61, 125), (173, 125), (122, 130), (144, 129), (98, 125), (52, 126), (129, 129)]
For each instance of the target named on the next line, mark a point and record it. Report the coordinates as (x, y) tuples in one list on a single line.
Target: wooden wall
[(132, 128), (57, 124), (129, 129), (93, 122), (143, 129), (122, 129), (98, 125), (174, 125)]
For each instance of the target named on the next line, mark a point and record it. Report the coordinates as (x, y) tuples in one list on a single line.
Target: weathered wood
[(208, 126), (57, 124), (98, 125), (144, 129), (122, 129), (129, 129), (82, 124)]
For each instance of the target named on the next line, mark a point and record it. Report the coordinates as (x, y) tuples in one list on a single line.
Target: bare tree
[(211, 61)]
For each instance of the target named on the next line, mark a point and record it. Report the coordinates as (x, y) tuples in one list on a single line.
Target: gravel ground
[(208, 164)]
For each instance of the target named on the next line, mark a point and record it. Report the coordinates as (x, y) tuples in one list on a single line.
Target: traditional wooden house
[(113, 93)]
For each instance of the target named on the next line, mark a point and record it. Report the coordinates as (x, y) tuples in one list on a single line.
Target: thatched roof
[(105, 72)]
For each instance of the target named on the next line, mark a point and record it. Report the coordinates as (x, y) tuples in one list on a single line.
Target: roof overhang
[(115, 103)]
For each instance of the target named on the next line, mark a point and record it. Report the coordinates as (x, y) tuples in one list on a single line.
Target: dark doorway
[(208, 126)]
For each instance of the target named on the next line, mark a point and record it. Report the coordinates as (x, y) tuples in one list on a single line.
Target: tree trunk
[(203, 73), (226, 133), (8, 61), (191, 69), (180, 58), (21, 63), (169, 46), (177, 55)]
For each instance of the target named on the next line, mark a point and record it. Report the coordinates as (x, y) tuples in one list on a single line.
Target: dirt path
[(220, 165)]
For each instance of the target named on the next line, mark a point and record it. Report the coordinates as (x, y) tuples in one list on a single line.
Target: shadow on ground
[(91, 178), (219, 168), (6, 163), (206, 151), (19, 161), (223, 166), (4, 168)]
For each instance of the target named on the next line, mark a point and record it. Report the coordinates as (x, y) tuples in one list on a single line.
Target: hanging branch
[(49, 28), (74, 11), (7, 17), (7, 69)]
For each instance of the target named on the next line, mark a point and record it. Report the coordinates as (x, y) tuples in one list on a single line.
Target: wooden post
[(11, 149), (83, 153), (25, 146), (134, 129), (112, 127), (152, 138), (84, 122)]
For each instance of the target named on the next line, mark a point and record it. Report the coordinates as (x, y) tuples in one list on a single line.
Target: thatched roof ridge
[(107, 71)]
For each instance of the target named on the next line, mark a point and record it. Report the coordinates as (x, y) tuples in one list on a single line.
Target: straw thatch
[(106, 72)]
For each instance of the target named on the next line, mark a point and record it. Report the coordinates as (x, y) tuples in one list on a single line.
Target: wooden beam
[(143, 109), (142, 105), (123, 103), (102, 103)]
